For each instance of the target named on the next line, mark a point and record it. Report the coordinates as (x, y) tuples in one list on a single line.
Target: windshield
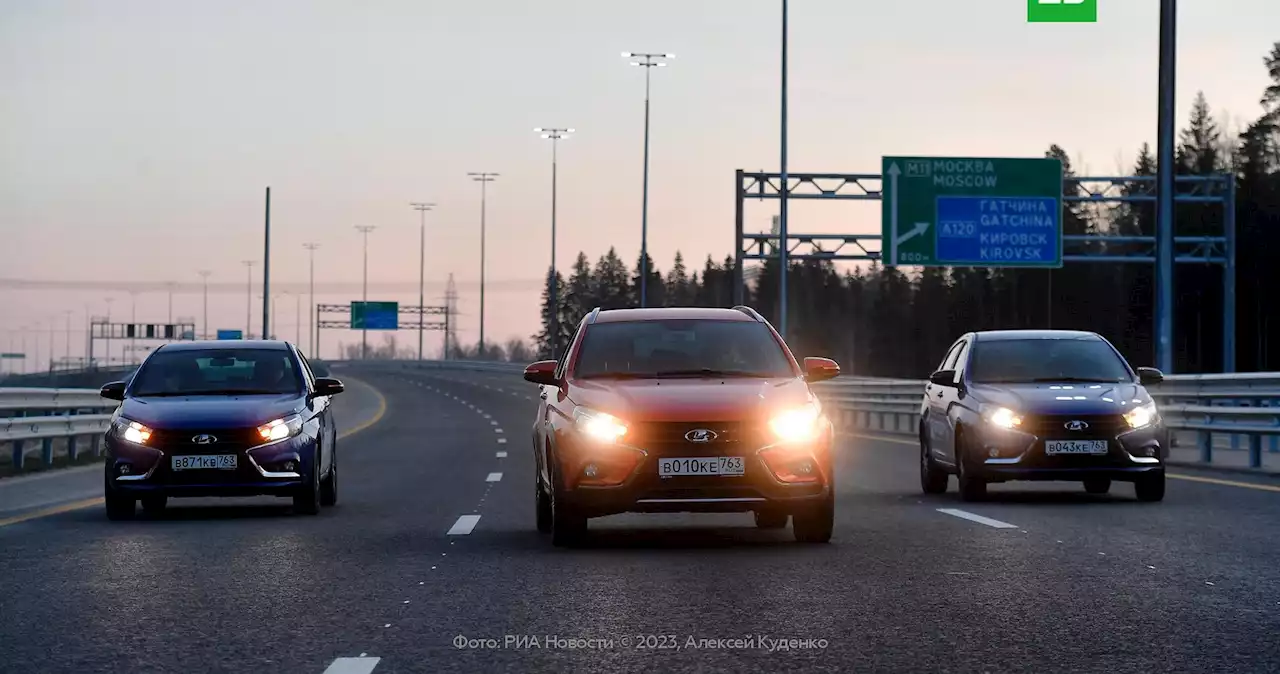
[(686, 347), (217, 372), (1045, 360)]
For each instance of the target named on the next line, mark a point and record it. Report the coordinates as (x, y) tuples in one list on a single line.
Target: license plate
[(1075, 447), (707, 465), (205, 461)]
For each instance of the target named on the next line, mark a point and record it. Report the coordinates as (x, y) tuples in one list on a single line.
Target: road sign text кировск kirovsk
[(996, 229)]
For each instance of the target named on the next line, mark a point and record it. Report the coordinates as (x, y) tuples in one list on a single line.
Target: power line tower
[(451, 310)]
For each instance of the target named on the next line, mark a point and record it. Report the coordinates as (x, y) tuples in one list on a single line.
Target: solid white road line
[(464, 525), (964, 515), (352, 665), (502, 455), (493, 477), (502, 441)]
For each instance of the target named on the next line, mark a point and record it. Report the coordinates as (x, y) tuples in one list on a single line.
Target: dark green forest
[(898, 322)]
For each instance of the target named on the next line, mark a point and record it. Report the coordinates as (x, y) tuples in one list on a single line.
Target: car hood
[(677, 399), (1074, 398), (209, 412)]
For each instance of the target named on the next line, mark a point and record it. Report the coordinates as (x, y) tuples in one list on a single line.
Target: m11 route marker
[(972, 212)]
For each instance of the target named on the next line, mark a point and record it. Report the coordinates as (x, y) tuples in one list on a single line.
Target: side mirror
[(943, 378), (1148, 376), (542, 372), (113, 391), (328, 386), (820, 369)]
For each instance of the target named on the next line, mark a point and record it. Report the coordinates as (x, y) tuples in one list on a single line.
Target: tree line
[(894, 322)]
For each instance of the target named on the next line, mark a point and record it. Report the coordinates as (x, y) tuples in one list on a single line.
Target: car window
[(1046, 360), (957, 359), (306, 369), (681, 347), (217, 371), (950, 358)]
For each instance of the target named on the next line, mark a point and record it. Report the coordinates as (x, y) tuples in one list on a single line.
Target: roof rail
[(591, 317), (750, 312)]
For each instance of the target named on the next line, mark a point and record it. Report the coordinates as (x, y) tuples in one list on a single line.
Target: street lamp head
[(627, 54)]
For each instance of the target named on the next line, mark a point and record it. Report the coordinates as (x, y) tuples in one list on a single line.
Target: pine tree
[(613, 286), (542, 341), (580, 294), (655, 291), (679, 291)]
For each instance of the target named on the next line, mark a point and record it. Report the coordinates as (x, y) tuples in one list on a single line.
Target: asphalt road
[(1052, 580)]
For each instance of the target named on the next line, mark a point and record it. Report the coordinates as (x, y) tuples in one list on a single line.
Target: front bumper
[(1000, 455), (147, 471), (644, 491)]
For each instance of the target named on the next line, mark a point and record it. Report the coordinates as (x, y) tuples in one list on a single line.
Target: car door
[(319, 408), (550, 400), (949, 398), (934, 413)]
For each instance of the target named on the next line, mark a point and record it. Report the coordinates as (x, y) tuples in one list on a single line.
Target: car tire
[(154, 504), (541, 507), (118, 506), (815, 525), (567, 525), (306, 501), (329, 485), (971, 488), (1149, 489), (933, 480), (1097, 486), (771, 519)]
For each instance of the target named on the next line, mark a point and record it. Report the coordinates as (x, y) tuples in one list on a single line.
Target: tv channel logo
[(1062, 11)]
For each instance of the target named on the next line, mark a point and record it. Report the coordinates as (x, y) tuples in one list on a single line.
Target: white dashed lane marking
[(502, 441), (965, 515), (359, 665), (497, 430), (502, 455), (464, 525), (493, 477)]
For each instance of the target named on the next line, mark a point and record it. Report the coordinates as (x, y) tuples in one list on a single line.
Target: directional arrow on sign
[(918, 229), (894, 172)]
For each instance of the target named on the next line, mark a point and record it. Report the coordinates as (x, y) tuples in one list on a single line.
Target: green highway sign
[(971, 212), (13, 356), (375, 316)]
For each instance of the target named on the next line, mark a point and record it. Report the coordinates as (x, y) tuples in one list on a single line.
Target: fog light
[(805, 467), (993, 452), (290, 466), (591, 470), (125, 469)]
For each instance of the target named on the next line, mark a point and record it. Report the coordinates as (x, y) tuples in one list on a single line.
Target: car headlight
[(1002, 417), (1141, 416), (132, 431), (797, 425), (279, 429), (598, 425)]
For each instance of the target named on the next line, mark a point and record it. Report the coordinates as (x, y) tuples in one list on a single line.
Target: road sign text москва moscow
[(972, 212)]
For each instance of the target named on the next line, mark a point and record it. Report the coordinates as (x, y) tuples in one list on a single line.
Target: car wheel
[(971, 488), (119, 506), (542, 507), (771, 519), (307, 499), (567, 525), (1150, 488), (154, 504), (815, 525), (933, 480), (1098, 486), (329, 485)]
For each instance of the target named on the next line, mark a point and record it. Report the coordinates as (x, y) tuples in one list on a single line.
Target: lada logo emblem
[(700, 435), (1076, 425), (204, 439)]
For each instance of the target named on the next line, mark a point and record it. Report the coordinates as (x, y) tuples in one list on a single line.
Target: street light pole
[(204, 274), (248, 297), (648, 62), (364, 331), (170, 287), (1165, 185), (555, 136), (484, 178), (785, 189), (421, 208), (313, 335)]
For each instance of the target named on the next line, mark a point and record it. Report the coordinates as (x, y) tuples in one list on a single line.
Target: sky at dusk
[(137, 137)]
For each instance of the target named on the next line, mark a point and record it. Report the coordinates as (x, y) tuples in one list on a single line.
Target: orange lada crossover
[(681, 410)]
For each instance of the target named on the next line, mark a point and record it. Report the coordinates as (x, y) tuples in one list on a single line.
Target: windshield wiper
[(617, 375), (709, 372), (1074, 380), (225, 392)]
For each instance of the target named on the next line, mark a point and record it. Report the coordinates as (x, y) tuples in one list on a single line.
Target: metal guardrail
[(1214, 412), (53, 417)]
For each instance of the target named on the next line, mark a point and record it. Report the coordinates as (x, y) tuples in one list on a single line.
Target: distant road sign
[(375, 316), (13, 356), (972, 212), (230, 334)]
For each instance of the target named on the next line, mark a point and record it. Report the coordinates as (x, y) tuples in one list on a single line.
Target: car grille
[(227, 439), (1053, 426), (667, 437)]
